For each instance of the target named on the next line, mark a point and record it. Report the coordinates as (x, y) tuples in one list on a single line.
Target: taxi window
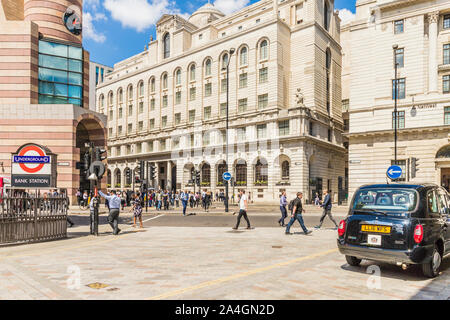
[(385, 199), (432, 203), (443, 201)]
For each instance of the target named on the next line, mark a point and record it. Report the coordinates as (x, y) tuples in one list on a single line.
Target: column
[(432, 50), (157, 182), (213, 178), (169, 175)]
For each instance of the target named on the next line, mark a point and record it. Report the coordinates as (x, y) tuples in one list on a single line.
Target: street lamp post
[(395, 47), (228, 83)]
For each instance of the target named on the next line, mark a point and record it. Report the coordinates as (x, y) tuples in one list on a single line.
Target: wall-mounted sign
[(426, 106), (33, 166)]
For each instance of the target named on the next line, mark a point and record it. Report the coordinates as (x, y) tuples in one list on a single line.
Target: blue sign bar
[(31, 159)]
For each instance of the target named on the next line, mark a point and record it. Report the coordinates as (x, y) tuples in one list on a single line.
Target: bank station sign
[(33, 166)]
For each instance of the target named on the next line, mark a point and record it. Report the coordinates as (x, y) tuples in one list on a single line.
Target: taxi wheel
[(431, 269), (353, 261)]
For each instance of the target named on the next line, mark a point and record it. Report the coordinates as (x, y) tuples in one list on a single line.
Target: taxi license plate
[(373, 228)]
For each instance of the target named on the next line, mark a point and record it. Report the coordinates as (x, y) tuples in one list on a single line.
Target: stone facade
[(160, 112), (421, 31)]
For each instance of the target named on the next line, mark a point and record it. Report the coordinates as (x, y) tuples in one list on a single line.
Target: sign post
[(394, 172)]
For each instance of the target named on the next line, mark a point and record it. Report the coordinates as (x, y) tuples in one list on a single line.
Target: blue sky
[(114, 30)]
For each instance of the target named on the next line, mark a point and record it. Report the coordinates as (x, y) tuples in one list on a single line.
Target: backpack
[(291, 205)]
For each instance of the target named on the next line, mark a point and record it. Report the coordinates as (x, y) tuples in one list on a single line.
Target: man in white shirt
[(243, 207)]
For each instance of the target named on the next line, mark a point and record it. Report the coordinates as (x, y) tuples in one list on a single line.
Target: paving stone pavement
[(203, 263)]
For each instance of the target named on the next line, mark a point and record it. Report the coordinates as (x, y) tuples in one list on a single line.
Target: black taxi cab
[(402, 224)]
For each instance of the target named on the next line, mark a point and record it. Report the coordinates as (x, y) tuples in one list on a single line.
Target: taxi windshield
[(385, 200)]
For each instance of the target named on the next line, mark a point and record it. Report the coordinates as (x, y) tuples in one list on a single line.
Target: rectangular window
[(446, 21), (446, 53), (283, 128), (223, 109), (208, 89), (207, 113), (150, 146), (141, 125), (263, 75), (223, 85), (446, 84), (128, 149), (120, 113), (329, 135), (165, 101), (177, 118), (240, 134), (164, 122), (120, 129), (162, 145), (111, 115), (141, 107), (401, 164), (398, 26), (152, 124), (206, 139), (243, 80), (176, 142), (261, 131), (345, 105), (130, 127), (263, 101), (139, 148), (178, 97), (118, 151), (242, 105), (299, 13), (192, 93), (191, 116), (399, 57), (400, 120), (110, 132), (311, 129), (152, 104), (401, 86), (446, 115), (130, 110)]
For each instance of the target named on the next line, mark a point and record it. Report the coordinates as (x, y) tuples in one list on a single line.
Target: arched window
[(118, 179), (128, 177), (328, 78), (224, 60), (141, 89), (108, 178), (130, 92), (263, 50), (192, 72), (120, 95), (178, 77), (241, 173), (101, 101), (221, 169), (243, 57), (164, 81), (110, 98), (261, 172), (166, 41), (206, 175), (208, 67), (285, 170), (152, 85), (325, 15)]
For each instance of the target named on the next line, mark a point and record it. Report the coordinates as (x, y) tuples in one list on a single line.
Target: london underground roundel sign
[(32, 159)]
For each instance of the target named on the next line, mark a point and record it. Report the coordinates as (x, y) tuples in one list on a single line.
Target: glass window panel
[(76, 65), (75, 91), (75, 78), (75, 101), (60, 89), (53, 48), (52, 62), (75, 53), (46, 87)]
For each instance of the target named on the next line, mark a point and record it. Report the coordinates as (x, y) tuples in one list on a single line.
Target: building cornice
[(400, 131), (399, 105)]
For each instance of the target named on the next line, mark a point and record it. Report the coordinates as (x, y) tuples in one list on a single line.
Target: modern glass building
[(60, 73)]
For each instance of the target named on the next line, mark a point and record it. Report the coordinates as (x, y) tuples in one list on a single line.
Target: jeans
[(184, 207), (113, 220), (283, 214), (300, 220), (324, 214), (242, 213)]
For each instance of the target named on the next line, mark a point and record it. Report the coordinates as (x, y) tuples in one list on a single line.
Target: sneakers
[(308, 232), (317, 227), (288, 233), (250, 228), (234, 228)]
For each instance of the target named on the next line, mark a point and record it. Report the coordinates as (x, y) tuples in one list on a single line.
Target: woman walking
[(137, 210)]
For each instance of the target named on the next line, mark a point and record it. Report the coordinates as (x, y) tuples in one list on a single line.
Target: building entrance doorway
[(445, 178)]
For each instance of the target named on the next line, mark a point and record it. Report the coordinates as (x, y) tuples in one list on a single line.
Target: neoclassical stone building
[(421, 32), (167, 104)]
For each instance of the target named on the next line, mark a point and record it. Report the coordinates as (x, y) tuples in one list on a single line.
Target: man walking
[(297, 214), (184, 201), (283, 204), (243, 207), (114, 210), (326, 205)]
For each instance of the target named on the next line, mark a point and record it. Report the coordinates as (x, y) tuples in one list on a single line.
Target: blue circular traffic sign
[(226, 176), (394, 172)]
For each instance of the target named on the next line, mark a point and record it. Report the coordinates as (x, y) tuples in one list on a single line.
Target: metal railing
[(32, 218)]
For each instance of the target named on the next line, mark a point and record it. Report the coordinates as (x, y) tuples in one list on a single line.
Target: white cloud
[(230, 6), (89, 31), (138, 14), (346, 16)]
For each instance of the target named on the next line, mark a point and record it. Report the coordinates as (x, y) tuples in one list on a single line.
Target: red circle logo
[(24, 151)]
